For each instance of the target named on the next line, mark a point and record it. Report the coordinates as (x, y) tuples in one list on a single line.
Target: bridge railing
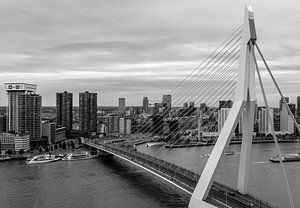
[(179, 175)]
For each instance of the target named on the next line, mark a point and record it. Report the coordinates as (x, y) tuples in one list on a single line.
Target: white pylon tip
[(249, 12)]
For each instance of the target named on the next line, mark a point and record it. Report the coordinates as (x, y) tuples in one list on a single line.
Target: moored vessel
[(84, 155), (292, 157), (42, 159)]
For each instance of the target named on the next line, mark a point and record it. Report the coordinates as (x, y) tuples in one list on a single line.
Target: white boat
[(292, 157), (149, 144), (42, 159), (79, 156)]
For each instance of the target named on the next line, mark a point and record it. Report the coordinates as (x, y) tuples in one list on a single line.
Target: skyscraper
[(281, 102), (13, 92), (29, 116), (225, 104), (298, 106), (145, 105), (263, 120), (167, 102), (64, 110), (286, 120), (88, 111), (121, 104)]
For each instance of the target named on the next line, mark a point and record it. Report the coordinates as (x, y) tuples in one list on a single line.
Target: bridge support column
[(244, 102), (246, 147)]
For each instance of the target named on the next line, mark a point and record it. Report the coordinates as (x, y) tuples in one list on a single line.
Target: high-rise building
[(287, 99), (167, 103), (29, 116), (263, 120), (286, 120), (2, 123), (222, 116), (13, 92), (145, 105), (64, 110), (48, 131), (298, 106), (125, 126), (88, 111), (225, 104), (185, 105), (192, 104), (122, 105)]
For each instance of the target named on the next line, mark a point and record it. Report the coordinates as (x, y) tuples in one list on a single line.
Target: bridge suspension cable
[(277, 148), (217, 57)]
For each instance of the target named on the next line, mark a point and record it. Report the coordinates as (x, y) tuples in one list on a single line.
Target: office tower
[(48, 131), (122, 105), (88, 111), (29, 116), (286, 120), (292, 107), (125, 126), (13, 92), (64, 110), (145, 105), (298, 106), (203, 107), (263, 120), (166, 104), (3, 123), (157, 108), (287, 99), (167, 101), (222, 116), (192, 104), (225, 104)]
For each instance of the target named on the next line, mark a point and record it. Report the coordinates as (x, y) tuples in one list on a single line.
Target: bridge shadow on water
[(150, 185)]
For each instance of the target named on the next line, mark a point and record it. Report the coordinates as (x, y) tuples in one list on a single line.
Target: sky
[(135, 48)]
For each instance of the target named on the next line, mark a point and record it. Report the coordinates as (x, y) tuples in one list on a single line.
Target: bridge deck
[(219, 195)]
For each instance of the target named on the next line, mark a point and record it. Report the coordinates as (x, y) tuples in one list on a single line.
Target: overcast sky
[(134, 48)]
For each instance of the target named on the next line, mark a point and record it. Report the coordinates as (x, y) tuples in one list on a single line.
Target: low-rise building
[(60, 134), (22, 142), (14, 142), (7, 142)]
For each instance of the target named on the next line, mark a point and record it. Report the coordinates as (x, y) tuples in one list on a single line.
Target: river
[(112, 183)]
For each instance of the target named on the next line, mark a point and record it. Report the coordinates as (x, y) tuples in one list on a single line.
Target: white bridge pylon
[(244, 103)]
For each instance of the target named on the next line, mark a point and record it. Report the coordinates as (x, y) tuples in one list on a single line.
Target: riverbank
[(256, 141)]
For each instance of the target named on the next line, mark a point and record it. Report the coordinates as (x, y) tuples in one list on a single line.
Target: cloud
[(133, 48)]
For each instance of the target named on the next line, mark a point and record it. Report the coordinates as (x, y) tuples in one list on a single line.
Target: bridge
[(180, 177), (227, 72)]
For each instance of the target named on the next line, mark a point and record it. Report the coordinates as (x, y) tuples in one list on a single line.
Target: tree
[(40, 149), (73, 145), (46, 149), (9, 152), (79, 141), (60, 145), (21, 151), (69, 144), (55, 146), (64, 145), (51, 148)]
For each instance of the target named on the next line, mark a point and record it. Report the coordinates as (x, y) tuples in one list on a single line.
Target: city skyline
[(127, 49)]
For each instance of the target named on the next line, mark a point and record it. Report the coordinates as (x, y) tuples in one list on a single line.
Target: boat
[(292, 157), (226, 153), (4, 158), (84, 155), (149, 144), (42, 159)]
